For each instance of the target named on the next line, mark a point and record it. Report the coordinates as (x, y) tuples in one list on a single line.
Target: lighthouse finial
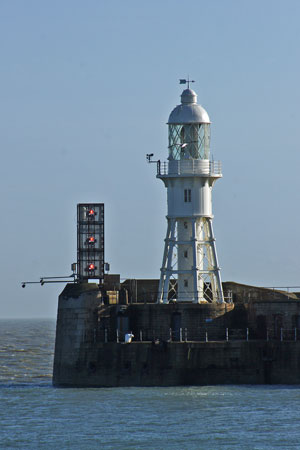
[(188, 81)]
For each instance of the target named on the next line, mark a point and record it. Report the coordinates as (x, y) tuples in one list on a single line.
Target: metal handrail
[(189, 166), (184, 334)]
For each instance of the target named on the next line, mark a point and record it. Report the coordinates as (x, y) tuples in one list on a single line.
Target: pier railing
[(199, 335)]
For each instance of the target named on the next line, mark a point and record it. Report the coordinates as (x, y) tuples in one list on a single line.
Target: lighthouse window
[(185, 225), (185, 254), (186, 283), (187, 195)]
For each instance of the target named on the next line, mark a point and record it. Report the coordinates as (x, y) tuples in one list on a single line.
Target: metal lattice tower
[(190, 270), (90, 241)]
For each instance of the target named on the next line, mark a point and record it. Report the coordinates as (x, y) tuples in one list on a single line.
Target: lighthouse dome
[(189, 111)]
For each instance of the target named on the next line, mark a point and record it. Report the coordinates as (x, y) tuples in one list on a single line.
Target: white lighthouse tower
[(190, 271)]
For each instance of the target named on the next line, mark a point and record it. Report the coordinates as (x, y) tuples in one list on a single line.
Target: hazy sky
[(86, 90)]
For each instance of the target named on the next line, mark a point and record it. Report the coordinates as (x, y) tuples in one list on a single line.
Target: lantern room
[(189, 129)]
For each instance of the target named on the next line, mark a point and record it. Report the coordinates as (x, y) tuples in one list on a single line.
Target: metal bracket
[(44, 280), (157, 162)]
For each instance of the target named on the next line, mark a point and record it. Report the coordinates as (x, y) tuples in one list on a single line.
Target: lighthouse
[(190, 271)]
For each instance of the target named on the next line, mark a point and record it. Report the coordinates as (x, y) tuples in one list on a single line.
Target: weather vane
[(188, 81)]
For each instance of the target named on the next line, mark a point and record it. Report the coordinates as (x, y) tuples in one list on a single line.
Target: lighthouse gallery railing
[(190, 166)]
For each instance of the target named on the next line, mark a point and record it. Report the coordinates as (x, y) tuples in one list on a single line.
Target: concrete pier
[(174, 364), (173, 344)]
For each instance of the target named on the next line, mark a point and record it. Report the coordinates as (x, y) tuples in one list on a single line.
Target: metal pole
[(170, 242), (185, 334), (206, 336), (217, 271), (180, 334), (195, 261), (170, 334), (105, 335), (141, 335), (117, 336), (163, 267), (247, 334), (226, 334)]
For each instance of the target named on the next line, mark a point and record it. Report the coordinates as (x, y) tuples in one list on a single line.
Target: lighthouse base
[(190, 271)]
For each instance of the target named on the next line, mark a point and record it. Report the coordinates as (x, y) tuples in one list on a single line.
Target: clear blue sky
[(86, 90)]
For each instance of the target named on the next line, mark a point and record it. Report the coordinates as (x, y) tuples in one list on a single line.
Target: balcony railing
[(204, 333), (190, 167)]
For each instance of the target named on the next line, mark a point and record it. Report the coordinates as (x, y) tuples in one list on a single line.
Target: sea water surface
[(35, 415)]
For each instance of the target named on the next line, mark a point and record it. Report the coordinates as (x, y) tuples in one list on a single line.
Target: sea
[(35, 415)]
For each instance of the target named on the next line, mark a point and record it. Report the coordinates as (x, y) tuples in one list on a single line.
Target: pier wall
[(181, 363), (87, 352)]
